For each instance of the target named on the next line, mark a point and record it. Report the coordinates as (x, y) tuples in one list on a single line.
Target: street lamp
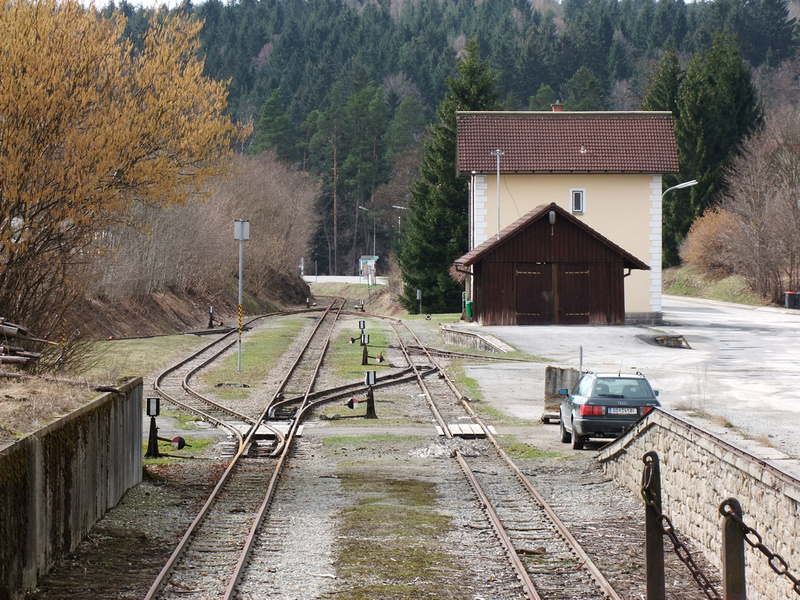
[(373, 227), (680, 186), (398, 216), (241, 232)]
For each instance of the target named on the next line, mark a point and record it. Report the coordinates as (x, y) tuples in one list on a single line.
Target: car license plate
[(617, 410)]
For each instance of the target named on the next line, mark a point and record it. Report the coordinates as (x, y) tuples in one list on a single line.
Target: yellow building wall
[(625, 208)]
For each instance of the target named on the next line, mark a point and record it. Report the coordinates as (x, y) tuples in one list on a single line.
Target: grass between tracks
[(344, 358), (194, 446), (261, 352), (389, 543)]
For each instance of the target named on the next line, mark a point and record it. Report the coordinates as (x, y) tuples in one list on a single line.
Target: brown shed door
[(573, 293), (534, 293), (544, 299)]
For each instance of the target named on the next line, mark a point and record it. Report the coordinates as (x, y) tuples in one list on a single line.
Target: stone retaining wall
[(57, 483), (698, 472)]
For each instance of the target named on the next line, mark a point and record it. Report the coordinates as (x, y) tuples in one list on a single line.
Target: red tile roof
[(536, 142), (540, 212)]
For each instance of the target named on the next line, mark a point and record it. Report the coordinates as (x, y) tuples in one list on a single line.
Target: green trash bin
[(469, 309)]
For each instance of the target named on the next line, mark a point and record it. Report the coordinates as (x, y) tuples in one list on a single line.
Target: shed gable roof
[(542, 212), (552, 142)]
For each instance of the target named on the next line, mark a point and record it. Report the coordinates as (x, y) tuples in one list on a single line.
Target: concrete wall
[(472, 339), (57, 483), (698, 472)]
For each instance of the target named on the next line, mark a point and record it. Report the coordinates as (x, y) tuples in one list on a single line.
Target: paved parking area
[(740, 377)]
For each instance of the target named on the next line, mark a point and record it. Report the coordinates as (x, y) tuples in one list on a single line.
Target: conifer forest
[(357, 92)]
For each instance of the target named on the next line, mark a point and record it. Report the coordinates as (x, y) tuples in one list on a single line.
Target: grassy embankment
[(684, 281)]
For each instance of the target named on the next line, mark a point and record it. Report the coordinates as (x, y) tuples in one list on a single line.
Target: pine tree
[(584, 91), (325, 159), (663, 84), (718, 106), (661, 94), (404, 129), (619, 63), (275, 129), (544, 99), (767, 37), (437, 221)]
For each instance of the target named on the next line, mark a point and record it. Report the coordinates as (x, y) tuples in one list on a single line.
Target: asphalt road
[(741, 374)]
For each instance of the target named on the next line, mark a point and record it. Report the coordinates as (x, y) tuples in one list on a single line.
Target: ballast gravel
[(127, 548)]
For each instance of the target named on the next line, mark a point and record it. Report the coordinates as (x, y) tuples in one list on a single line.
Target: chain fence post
[(654, 532), (734, 584)]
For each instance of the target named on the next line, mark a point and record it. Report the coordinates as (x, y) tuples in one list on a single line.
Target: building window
[(578, 201)]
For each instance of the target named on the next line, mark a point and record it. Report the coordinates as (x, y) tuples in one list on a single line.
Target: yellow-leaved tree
[(89, 126)]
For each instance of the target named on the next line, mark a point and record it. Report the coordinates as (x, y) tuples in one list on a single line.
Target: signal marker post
[(365, 352), (153, 410), (369, 380), (241, 232)]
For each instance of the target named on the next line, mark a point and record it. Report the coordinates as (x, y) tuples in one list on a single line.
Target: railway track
[(172, 385), (213, 553), (548, 560), (234, 546)]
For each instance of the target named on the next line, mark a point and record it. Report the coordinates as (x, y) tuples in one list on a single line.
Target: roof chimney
[(557, 107)]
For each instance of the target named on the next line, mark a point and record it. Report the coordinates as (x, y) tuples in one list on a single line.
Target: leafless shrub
[(459, 44), (402, 86), (706, 247), (545, 5), (278, 200), (191, 247), (396, 8), (262, 59)]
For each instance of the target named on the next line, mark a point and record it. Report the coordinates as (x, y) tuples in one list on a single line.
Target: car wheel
[(566, 437), (577, 440)]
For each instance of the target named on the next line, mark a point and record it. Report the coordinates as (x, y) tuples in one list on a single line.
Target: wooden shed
[(547, 268)]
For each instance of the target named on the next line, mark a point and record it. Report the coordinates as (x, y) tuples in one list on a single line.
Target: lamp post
[(373, 227), (498, 153), (241, 232), (398, 216), (680, 186)]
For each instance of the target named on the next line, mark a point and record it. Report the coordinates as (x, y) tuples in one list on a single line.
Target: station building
[(564, 215)]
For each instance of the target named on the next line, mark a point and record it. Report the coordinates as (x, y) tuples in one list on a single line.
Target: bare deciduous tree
[(190, 247), (756, 230)]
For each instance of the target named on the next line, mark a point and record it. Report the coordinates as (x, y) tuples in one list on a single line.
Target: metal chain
[(681, 550), (776, 562)]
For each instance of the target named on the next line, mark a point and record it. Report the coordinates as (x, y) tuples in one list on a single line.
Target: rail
[(528, 585)]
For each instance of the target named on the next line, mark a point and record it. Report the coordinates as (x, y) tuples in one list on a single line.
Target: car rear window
[(622, 388)]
